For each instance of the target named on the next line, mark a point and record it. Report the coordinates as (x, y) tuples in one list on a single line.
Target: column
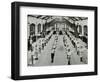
[(78, 28), (82, 30), (28, 30), (36, 29), (41, 26), (55, 26)]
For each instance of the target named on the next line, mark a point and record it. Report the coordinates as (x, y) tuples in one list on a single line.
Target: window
[(44, 27), (85, 30), (80, 29), (32, 29), (39, 28)]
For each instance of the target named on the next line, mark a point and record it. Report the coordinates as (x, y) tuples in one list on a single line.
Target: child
[(52, 55)]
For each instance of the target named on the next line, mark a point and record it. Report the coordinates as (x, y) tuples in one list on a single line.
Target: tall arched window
[(80, 29), (85, 30), (43, 27), (32, 29), (39, 28)]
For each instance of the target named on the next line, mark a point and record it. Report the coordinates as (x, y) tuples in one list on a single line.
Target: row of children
[(35, 49), (53, 49), (69, 49), (80, 46)]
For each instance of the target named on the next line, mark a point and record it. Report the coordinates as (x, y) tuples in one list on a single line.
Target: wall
[(82, 23), (36, 22), (5, 41)]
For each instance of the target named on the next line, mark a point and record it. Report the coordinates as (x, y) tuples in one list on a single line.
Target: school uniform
[(52, 56)]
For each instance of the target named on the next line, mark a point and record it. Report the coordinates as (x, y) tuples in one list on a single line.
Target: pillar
[(36, 29), (82, 30), (28, 30)]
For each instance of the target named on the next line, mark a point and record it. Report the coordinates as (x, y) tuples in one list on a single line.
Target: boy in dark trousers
[(52, 55)]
